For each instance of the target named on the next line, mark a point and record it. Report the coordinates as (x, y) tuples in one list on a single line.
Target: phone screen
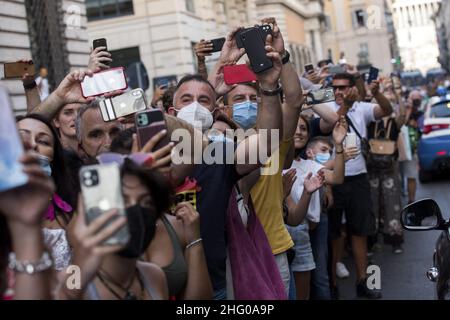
[(11, 174), (309, 67), (103, 82), (373, 75)]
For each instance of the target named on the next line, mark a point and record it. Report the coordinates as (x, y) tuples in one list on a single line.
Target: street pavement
[(403, 276)]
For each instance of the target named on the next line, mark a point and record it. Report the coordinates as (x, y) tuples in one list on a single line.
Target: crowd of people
[(223, 230)]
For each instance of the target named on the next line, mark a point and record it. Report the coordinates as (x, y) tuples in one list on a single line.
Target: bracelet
[(29, 267), (30, 85), (272, 93), (193, 243)]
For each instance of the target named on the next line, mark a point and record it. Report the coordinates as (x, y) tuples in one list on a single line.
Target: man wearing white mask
[(195, 101)]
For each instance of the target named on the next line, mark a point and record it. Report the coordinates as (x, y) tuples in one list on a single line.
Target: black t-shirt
[(216, 182)]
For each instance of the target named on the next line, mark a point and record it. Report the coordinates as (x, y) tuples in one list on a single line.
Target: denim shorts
[(304, 259)]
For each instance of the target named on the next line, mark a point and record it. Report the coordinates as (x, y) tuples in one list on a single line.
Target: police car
[(434, 145)]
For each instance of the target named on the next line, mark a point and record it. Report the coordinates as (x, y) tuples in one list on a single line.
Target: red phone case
[(239, 73), (111, 69)]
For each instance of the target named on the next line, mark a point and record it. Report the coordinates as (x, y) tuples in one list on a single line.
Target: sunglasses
[(141, 159), (339, 87)]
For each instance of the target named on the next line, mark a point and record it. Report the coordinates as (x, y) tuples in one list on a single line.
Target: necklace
[(129, 295)]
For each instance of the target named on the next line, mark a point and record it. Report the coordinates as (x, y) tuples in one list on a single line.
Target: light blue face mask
[(45, 164), (244, 114), (322, 158)]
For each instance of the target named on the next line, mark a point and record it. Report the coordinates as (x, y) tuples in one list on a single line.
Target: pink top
[(61, 204)]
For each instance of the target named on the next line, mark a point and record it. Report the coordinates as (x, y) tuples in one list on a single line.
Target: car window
[(440, 110)]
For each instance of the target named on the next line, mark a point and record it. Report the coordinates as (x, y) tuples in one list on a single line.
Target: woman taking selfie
[(111, 272)]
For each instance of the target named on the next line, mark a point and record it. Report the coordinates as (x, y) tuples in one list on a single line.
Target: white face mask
[(197, 115)]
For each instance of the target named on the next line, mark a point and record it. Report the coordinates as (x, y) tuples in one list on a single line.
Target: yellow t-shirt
[(267, 196)]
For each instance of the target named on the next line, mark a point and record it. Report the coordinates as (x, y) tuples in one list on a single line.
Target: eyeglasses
[(339, 87), (141, 159)]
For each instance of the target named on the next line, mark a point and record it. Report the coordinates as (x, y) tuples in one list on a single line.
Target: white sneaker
[(341, 270)]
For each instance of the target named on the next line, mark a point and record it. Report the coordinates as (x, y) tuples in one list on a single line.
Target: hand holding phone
[(103, 82), (18, 69), (217, 44), (309, 68), (255, 48), (350, 140), (148, 124), (373, 75), (97, 43), (102, 191)]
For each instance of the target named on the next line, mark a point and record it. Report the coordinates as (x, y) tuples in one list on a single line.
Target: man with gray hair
[(93, 134)]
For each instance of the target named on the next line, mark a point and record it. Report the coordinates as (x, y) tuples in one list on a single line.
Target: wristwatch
[(273, 92), (286, 56), (30, 85)]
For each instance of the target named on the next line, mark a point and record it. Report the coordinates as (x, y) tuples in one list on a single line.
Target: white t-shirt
[(361, 114), (303, 168), (44, 91)]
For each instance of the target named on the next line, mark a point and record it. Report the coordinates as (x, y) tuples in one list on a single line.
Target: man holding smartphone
[(353, 197)]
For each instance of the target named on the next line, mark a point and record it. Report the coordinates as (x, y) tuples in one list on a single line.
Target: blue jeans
[(220, 294), (320, 285)]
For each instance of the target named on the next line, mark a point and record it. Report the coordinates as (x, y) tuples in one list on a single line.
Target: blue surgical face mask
[(244, 114), (322, 158), (45, 164)]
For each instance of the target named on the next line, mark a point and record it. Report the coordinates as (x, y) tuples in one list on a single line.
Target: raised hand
[(351, 97), (269, 79), (162, 157), (289, 179), (25, 205), (313, 183), (278, 42), (203, 49), (190, 218), (350, 153), (375, 87), (69, 90), (98, 59), (230, 53), (340, 131)]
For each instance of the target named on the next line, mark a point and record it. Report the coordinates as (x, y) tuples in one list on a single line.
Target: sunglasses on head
[(141, 159)]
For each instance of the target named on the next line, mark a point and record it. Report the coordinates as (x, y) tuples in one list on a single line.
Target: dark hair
[(167, 98), (302, 152), (60, 172), (154, 181), (123, 142), (193, 77), (312, 142), (345, 76), (323, 62), (248, 84)]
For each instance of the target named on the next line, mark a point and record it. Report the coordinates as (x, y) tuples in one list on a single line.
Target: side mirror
[(422, 215)]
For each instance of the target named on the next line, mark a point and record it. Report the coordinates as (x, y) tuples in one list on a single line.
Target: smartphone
[(11, 174), (18, 69), (373, 75), (101, 189), (148, 124), (101, 43), (103, 82), (238, 73), (217, 44), (264, 31), (320, 96), (120, 106), (308, 68), (350, 140), (336, 69), (255, 49)]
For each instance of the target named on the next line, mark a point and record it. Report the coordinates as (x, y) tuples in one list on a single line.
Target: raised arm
[(336, 176), (328, 117), (384, 107), (68, 91), (202, 49)]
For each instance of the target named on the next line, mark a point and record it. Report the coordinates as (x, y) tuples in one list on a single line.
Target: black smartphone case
[(264, 31), (217, 44), (255, 49)]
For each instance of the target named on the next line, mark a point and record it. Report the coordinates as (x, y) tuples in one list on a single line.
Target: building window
[(359, 19), (125, 57), (104, 9), (190, 6)]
